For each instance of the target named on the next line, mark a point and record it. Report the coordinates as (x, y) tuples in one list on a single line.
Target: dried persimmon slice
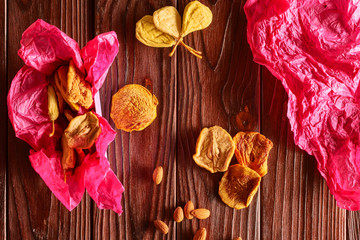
[(238, 186), (214, 149), (252, 150), (133, 108)]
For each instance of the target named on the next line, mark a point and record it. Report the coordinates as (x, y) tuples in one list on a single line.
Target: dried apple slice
[(238, 186), (252, 150), (214, 149)]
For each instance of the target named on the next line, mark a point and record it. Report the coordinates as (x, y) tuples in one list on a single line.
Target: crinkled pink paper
[(313, 48), (44, 48)]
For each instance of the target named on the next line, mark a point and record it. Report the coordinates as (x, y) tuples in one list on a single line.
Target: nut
[(158, 175), (201, 213), (189, 206), (161, 226), (200, 234), (178, 214)]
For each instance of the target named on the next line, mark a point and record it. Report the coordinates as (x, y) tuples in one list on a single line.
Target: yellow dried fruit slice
[(82, 131), (252, 150), (53, 108), (168, 20), (68, 159), (133, 108), (238, 186), (148, 34), (214, 149), (60, 77), (78, 90), (196, 17)]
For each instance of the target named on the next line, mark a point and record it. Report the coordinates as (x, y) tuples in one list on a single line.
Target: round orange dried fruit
[(252, 150), (133, 108), (214, 149), (238, 186)]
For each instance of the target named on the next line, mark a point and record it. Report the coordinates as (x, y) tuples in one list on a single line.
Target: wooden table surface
[(293, 201)]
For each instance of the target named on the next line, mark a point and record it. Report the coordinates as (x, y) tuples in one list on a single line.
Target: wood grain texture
[(3, 117), (293, 201)]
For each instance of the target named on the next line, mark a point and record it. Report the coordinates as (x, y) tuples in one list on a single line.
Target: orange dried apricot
[(252, 150), (133, 108), (238, 186), (214, 149)]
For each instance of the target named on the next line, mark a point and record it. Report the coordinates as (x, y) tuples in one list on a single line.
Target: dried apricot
[(238, 186), (214, 149), (252, 150), (133, 108)]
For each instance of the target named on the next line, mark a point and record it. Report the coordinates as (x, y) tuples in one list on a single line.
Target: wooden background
[(293, 201)]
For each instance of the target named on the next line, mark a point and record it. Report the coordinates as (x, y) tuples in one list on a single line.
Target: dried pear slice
[(238, 186), (252, 150), (82, 131), (60, 77), (148, 34), (78, 90), (196, 17), (168, 20), (214, 149), (133, 108)]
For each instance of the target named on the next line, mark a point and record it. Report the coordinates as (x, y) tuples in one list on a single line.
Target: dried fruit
[(78, 90), (72, 86), (189, 206), (53, 108), (178, 214), (60, 99), (158, 175), (68, 158), (168, 20), (201, 213), (196, 17), (200, 234), (238, 186), (214, 149), (82, 131), (238, 238), (161, 226), (164, 28), (252, 150), (133, 108), (148, 34)]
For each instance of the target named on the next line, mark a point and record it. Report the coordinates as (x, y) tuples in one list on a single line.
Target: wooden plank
[(300, 205), (134, 156), (33, 212), (212, 91), (4, 119)]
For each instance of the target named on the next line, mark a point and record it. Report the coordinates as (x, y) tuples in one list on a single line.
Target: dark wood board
[(293, 201)]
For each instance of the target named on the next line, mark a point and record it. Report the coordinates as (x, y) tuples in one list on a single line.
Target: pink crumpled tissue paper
[(44, 48), (313, 48)]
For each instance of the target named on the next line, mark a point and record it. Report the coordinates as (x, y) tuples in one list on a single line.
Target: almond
[(189, 206), (158, 175), (178, 214), (200, 234), (161, 226), (201, 213)]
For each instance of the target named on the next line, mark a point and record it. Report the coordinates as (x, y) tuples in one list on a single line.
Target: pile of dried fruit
[(164, 28), (214, 151)]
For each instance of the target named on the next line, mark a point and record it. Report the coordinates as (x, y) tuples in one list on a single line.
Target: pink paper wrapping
[(313, 48), (44, 48)]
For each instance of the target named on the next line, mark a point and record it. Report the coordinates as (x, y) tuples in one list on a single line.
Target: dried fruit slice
[(214, 149), (196, 17), (78, 90), (60, 78), (238, 186), (168, 20), (82, 131), (148, 34), (252, 150), (53, 108), (133, 108)]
